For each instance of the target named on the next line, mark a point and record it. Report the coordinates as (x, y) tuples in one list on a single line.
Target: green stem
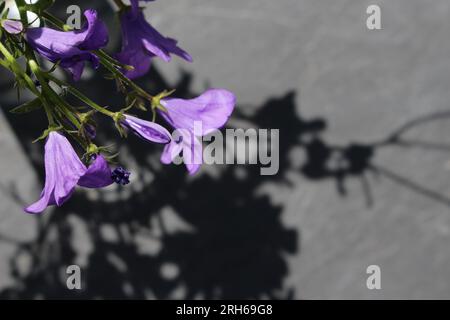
[(119, 4), (104, 61), (12, 64), (17, 70), (81, 96), (36, 70), (48, 112), (62, 105)]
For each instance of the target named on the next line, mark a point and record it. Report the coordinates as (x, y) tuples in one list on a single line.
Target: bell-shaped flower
[(147, 130), (71, 48), (195, 118), (141, 42), (64, 170), (12, 26)]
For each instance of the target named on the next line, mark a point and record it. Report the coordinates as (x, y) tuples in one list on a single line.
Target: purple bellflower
[(141, 42), (71, 48), (64, 170), (147, 130), (12, 26), (195, 118)]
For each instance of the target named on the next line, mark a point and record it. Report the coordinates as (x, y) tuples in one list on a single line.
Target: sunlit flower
[(147, 130), (64, 170), (71, 48), (141, 42), (195, 118)]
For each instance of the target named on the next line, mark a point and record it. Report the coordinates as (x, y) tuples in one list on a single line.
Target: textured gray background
[(366, 84)]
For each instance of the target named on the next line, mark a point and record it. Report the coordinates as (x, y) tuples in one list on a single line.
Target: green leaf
[(2, 6), (27, 107)]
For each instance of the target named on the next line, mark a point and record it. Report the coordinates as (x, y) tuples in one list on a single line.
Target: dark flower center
[(121, 176)]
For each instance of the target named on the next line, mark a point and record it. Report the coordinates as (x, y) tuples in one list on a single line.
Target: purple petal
[(138, 59), (75, 69), (134, 7), (95, 32), (91, 131), (193, 168), (70, 48), (158, 44), (98, 175), (193, 158), (191, 147), (171, 150), (212, 109), (63, 169), (141, 42), (12, 27), (147, 130)]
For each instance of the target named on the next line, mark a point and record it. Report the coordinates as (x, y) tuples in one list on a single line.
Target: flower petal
[(171, 150), (213, 109), (158, 44), (75, 69), (70, 48), (193, 168), (147, 130), (95, 32), (191, 146), (63, 169), (98, 175), (137, 59), (140, 39), (12, 27)]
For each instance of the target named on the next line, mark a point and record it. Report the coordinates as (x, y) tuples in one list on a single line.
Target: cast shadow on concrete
[(171, 236), (164, 236)]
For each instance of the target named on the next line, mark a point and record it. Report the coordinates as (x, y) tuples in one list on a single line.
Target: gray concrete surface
[(366, 84)]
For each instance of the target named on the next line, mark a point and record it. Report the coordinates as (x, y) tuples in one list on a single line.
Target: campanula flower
[(147, 130), (64, 170), (195, 118), (71, 48), (141, 42), (12, 26)]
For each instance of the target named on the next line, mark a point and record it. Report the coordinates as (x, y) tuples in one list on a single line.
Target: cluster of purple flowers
[(141, 43)]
